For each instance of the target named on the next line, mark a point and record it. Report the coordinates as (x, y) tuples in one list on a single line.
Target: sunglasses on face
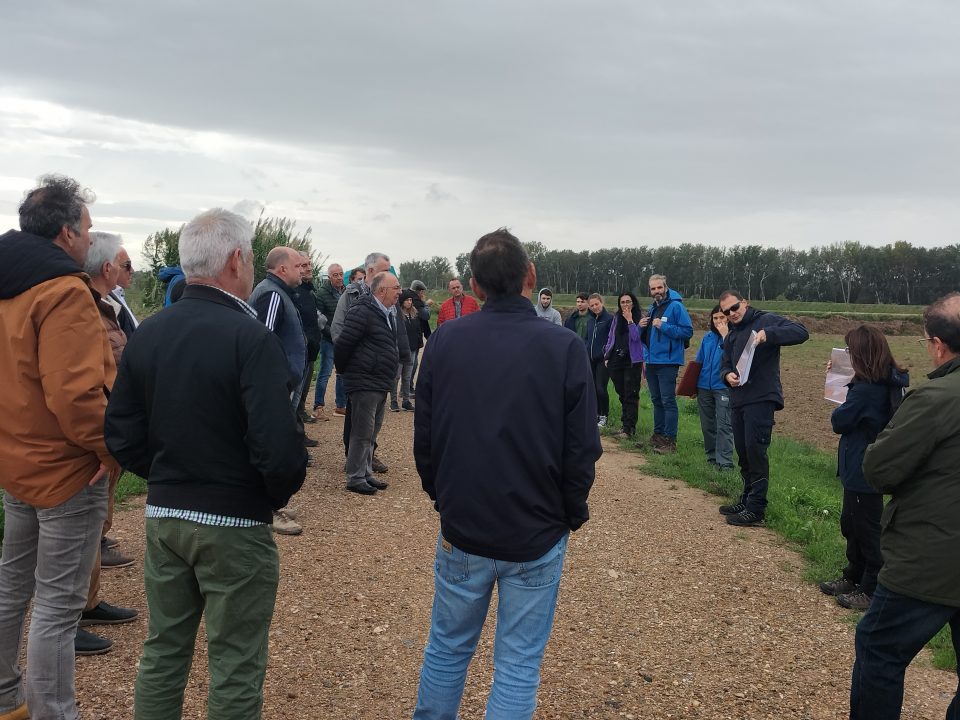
[(732, 309)]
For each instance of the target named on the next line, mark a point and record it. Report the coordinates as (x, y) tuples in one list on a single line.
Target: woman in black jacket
[(872, 397), (409, 320)]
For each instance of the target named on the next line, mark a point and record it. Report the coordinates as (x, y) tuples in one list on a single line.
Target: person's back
[(500, 493)]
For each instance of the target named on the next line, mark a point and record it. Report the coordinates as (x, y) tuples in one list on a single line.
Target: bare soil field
[(665, 611)]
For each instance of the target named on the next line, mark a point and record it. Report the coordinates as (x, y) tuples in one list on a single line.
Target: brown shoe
[(19, 713), (284, 525), (667, 446), (319, 415), (857, 600), (340, 411)]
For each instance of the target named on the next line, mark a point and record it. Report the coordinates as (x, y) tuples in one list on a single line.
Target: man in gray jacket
[(915, 460)]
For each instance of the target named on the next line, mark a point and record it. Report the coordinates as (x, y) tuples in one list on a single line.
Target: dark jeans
[(860, 525), (662, 384), (305, 383), (601, 379), (889, 636), (752, 428), (626, 381)]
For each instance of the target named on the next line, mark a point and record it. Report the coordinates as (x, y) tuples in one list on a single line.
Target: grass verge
[(805, 494)]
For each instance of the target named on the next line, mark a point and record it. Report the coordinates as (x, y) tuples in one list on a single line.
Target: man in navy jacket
[(754, 402), (510, 479)]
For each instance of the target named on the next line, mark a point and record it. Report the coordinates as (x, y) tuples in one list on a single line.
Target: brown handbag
[(687, 385)]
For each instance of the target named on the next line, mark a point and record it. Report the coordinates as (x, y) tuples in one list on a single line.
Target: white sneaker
[(602, 422)]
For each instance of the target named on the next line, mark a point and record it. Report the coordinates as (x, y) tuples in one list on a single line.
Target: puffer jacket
[(58, 365), (365, 351)]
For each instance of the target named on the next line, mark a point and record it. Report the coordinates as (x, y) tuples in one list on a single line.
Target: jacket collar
[(510, 303), (948, 367)]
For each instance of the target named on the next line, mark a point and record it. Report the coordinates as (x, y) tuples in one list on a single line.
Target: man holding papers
[(751, 367)]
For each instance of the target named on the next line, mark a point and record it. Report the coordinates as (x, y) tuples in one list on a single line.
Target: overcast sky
[(413, 128)]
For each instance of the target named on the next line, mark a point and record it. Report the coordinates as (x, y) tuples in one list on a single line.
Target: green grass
[(805, 494)]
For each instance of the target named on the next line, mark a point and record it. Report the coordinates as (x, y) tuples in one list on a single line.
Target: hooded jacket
[(550, 312), (916, 460), (764, 382), (665, 345), (709, 355), (58, 365), (598, 330), (176, 281), (866, 411)]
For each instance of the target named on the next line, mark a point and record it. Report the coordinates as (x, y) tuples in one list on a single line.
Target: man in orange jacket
[(458, 305), (52, 451)]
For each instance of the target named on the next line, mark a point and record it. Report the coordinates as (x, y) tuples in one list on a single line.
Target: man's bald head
[(283, 262)]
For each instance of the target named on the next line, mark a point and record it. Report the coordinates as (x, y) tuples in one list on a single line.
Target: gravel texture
[(665, 611)]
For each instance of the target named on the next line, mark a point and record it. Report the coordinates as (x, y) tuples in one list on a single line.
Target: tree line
[(843, 272)]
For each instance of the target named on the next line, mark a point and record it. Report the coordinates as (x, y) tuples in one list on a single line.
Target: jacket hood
[(543, 311), (27, 260), (170, 272)]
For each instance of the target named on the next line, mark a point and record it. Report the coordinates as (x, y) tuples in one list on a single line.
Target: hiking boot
[(857, 600), (667, 447), (340, 411), (111, 557), (19, 713), (656, 440), (734, 509), (378, 465), (319, 414), (86, 643), (283, 524), (747, 518), (378, 484), (840, 586), (602, 421), (292, 513), (107, 614), (407, 405)]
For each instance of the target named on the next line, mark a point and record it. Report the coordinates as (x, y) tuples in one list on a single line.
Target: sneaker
[(107, 614), (19, 713), (319, 414), (407, 405), (602, 421), (858, 600), (309, 442), (655, 439), (87, 643), (283, 524), (668, 446), (734, 509), (107, 542), (340, 411), (111, 557), (623, 434), (378, 484), (394, 407), (378, 465), (362, 489), (747, 518), (292, 513), (840, 586)]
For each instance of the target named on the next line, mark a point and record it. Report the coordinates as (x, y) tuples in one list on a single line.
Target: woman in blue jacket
[(623, 355), (872, 397), (713, 395)]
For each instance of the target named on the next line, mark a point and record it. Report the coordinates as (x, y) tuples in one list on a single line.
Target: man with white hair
[(103, 267), (128, 321), (214, 473), (52, 451)]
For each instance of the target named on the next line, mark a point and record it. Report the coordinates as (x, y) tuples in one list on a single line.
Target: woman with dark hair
[(713, 395), (623, 355), (872, 397)]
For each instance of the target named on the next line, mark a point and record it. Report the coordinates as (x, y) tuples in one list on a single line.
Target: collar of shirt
[(243, 306), (386, 311)]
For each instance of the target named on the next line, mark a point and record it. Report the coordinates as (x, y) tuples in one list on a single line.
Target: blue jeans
[(48, 555), (662, 383), (889, 636), (527, 599), (323, 375)]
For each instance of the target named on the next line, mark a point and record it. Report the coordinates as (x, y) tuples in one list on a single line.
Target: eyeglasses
[(732, 309), (128, 265), (626, 302), (926, 340)]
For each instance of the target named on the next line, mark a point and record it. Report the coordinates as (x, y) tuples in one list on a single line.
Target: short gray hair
[(104, 247), (207, 241), (373, 258), (658, 277)]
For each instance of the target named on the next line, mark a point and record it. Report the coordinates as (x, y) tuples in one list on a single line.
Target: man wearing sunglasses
[(754, 402), (128, 321)]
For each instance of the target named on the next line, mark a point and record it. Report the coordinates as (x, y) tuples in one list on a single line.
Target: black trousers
[(752, 429), (626, 381), (860, 525), (601, 378)]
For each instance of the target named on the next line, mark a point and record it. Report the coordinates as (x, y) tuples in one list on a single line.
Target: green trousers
[(227, 575)]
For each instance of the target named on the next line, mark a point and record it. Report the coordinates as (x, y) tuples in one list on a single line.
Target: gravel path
[(665, 611)]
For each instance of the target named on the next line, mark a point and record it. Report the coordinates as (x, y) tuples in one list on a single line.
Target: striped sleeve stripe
[(272, 310)]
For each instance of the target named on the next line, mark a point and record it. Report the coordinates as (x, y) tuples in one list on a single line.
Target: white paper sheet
[(746, 359), (838, 376)]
